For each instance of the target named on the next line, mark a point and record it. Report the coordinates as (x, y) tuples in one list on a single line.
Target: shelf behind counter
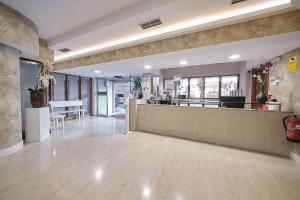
[(254, 130)]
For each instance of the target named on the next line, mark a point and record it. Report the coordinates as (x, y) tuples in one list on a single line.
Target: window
[(183, 88), (212, 87), (195, 90), (169, 84), (228, 84), (155, 84)]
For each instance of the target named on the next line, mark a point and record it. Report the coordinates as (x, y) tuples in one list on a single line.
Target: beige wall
[(288, 90), (245, 129), (18, 31), (205, 70), (133, 112), (44, 52)]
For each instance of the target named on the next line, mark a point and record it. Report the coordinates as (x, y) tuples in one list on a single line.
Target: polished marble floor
[(92, 159)]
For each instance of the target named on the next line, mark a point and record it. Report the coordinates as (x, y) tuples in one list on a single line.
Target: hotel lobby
[(160, 99)]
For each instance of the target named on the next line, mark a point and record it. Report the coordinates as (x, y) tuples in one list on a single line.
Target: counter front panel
[(253, 130)]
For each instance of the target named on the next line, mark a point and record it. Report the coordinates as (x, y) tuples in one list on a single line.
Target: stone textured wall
[(283, 23), (17, 30), (288, 90), (10, 106), (44, 52), (17, 34)]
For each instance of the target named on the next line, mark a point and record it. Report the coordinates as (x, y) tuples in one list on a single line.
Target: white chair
[(56, 119), (74, 107)]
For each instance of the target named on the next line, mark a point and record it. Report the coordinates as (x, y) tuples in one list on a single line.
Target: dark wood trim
[(189, 88), (80, 88), (51, 90), (30, 60), (80, 91), (70, 75)]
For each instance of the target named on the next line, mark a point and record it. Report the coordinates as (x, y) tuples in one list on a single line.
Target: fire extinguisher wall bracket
[(292, 127)]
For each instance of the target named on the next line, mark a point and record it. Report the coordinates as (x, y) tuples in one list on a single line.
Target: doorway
[(119, 90), (102, 98)]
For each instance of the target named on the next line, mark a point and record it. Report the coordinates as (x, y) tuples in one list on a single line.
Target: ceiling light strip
[(180, 26)]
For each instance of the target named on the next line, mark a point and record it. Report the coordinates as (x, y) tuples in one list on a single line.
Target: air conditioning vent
[(236, 1), (151, 23), (64, 50)]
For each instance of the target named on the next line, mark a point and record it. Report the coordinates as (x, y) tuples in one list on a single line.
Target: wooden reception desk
[(254, 130)]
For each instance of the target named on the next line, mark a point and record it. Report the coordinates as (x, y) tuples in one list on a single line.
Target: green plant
[(137, 85)]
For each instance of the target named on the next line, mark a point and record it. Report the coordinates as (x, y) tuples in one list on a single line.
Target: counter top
[(195, 107)]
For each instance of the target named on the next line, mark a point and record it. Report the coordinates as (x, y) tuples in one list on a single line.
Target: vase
[(140, 95), (38, 99), (261, 97)]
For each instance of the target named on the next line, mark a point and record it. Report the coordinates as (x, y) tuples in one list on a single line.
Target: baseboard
[(11, 150), (295, 157)]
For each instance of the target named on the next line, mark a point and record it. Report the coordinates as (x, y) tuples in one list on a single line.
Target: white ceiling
[(57, 17), (83, 24), (259, 50)]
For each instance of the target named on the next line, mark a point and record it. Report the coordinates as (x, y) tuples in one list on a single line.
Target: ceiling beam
[(277, 24), (131, 11)]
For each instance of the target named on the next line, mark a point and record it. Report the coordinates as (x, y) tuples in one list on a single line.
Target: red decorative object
[(268, 65)]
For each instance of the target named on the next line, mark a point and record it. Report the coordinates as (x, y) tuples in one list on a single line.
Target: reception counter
[(254, 130)]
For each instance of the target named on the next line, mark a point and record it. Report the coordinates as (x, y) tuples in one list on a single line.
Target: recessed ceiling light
[(64, 50), (146, 192), (97, 71), (147, 66), (98, 174), (184, 62), (234, 57)]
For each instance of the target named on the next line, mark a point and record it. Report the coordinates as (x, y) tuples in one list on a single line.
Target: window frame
[(220, 83), (238, 81)]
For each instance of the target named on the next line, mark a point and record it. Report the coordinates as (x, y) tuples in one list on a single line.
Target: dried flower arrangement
[(44, 75), (261, 77), (38, 95)]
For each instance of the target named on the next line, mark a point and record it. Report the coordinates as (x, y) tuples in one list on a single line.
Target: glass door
[(119, 90), (102, 98)]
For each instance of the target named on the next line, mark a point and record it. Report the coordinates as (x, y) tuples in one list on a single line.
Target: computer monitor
[(232, 101)]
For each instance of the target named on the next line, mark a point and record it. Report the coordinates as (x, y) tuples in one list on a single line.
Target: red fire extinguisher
[(292, 127)]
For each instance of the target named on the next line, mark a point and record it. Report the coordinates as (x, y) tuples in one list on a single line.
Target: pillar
[(18, 37), (10, 104)]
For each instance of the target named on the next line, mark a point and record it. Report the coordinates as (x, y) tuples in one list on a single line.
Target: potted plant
[(38, 94), (137, 87)]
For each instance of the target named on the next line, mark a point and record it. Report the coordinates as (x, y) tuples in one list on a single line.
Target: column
[(10, 104)]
